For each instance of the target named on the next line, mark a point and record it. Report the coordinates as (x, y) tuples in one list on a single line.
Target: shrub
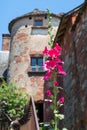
[(15, 100)]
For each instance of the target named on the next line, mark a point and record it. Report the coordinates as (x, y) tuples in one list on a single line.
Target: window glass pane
[(40, 63), (33, 68), (33, 61), (38, 23), (37, 63), (33, 64), (40, 68)]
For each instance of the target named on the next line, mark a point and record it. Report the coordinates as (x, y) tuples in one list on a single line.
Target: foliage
[(15, 100), (50, 28)]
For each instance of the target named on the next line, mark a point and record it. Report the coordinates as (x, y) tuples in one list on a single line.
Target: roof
[(79, 14), (35, 12), (4, 56), (64, 20)]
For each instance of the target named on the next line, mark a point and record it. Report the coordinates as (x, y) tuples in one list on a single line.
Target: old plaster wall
[(23, 45)]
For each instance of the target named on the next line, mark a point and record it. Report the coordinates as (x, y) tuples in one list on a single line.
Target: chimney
[(6, 42)]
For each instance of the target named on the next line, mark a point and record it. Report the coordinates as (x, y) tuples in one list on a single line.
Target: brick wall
[(6, 42)]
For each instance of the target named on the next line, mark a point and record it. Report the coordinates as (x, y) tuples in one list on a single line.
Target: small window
[(37, 64), (30, 17), (38, 23)]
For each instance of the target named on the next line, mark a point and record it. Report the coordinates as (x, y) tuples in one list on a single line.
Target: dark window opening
[(37, 63), (30, 17), (45, 17), (39, 109), (38, 23), (26, 26)]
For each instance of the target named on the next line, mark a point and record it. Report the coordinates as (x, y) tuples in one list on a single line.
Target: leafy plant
[(50, 28), (54, 67), (15, 100)]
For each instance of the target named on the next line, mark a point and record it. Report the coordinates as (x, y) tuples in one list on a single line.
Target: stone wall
[(4, 58), (75, 83), (24, 44)]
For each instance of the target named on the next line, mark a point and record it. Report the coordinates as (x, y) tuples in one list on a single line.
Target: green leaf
[(64, 129), (55, 112), (59, 116)]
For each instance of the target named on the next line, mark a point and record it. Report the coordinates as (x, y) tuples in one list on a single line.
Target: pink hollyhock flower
[(56, 83), (61, 100), (60, 70), (48, 92), (57, 47), (58, 60), (53, 53), (47, 75), (45, 50), (50, 64)]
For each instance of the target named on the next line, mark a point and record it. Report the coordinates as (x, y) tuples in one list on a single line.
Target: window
[(37, 64), (38, 23)]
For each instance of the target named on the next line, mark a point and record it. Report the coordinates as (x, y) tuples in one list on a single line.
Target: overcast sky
[(10, 9)]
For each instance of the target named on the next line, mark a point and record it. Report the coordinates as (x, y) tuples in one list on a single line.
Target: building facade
[(72, 35), (25, 43), (27, 39)]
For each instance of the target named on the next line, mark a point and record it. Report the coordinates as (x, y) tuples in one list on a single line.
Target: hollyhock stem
[(53, 66), (55, 91)]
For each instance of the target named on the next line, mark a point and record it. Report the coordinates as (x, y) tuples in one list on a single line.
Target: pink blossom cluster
[(55, 63)]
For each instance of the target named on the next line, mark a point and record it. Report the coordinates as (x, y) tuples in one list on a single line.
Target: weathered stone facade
[(28, 40), (73, 38)]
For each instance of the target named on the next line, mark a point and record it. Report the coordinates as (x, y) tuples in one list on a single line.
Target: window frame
[(37, 67), (38, 20)]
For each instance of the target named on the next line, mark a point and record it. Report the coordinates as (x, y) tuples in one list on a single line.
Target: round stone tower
[(29, 36)]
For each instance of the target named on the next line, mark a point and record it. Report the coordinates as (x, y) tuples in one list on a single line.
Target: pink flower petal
[(61, 100), (48, 92)]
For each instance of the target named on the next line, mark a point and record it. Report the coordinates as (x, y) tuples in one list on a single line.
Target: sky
[(10, 9)]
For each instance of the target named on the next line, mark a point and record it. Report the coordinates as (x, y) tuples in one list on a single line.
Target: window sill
[(40, 27), (36, 72)]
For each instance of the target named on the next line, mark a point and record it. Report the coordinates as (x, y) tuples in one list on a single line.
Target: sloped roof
[(80, 13), (4, 56), (64, 20), (35, 12)]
